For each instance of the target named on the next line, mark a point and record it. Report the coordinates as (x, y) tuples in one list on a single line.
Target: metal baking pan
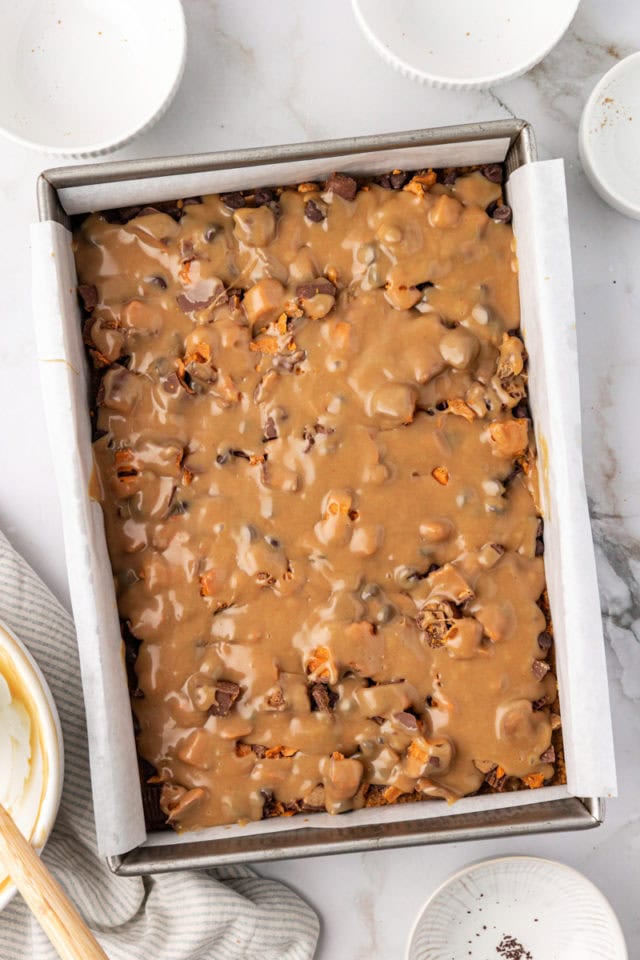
[(568, 813)]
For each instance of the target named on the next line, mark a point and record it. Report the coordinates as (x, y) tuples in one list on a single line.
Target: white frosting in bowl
[(30, 748), (20, 758)]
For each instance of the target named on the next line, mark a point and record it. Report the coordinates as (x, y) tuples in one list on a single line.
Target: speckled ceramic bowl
[(517, 908), (80, 78), (468, 44), (610, 137)]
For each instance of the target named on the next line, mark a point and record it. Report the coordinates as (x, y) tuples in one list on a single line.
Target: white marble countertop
[(284, 71)]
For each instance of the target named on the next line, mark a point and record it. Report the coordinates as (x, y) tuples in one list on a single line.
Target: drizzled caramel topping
[(316, 470)]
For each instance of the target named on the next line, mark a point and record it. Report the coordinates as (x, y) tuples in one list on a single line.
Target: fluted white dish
[(464, 44), (610, 136), (47, 746), (80, 78), (547, 908)]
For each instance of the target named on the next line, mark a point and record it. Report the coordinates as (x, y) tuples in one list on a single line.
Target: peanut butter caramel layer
[(315, 461)]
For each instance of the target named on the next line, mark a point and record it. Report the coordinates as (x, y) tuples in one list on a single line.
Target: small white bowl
[(463, 44), (610, 136), (18, 666), (79, 78), (523, 907)]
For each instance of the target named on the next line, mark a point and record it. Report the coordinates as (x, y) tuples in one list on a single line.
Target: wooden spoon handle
[(51, 907)]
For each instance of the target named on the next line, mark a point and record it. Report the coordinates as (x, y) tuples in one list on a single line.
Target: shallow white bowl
[(610, 136), (79, 78), (464, 43), (39, 704), (550, 910)]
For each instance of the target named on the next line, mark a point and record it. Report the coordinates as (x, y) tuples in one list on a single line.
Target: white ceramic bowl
[(464, 43), (610, 136), (79, 78), (19, 667), (495, 907)]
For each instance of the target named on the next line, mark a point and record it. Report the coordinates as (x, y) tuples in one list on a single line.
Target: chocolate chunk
[(227, 692), (397, 179), (313, 211), (323, 698), (270, 431), (262, 196), (545, 640), (320, 697), (241, 454), (270, 805), (233, 200), (259, 750), (522, 412), (172, 208), (497, 779), (393, 181), (305, 291), (406, 719), (510, 477), (342, 186), (501, 214), (189, 306), (493, 172), (540, 669), (122, 215), (450, 178), (549, 755), (88, 295)]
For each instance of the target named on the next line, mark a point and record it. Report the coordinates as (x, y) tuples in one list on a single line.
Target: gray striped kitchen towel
[(224, 914)]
